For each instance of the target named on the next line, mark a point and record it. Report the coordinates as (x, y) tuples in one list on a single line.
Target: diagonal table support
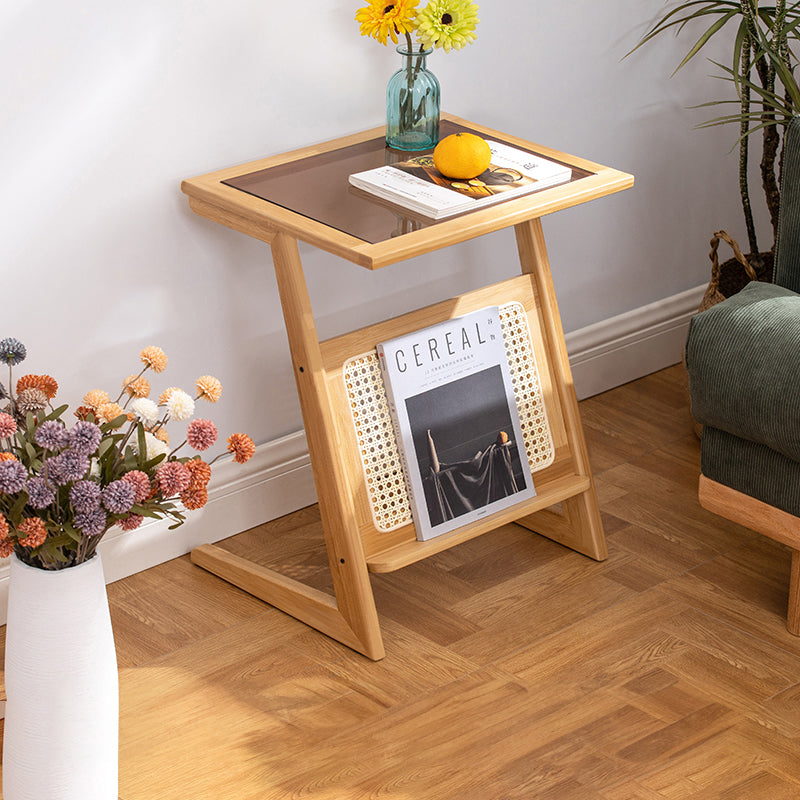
[(579, 527)]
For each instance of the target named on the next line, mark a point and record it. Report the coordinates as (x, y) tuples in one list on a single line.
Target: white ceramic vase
[(61, 738)]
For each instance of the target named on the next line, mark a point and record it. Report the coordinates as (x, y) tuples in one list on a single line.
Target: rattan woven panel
[(380, 457)]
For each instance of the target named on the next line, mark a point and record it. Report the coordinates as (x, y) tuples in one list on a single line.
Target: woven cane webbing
[(380, 457)]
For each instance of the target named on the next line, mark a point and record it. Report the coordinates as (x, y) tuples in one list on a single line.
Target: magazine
[(417, 184), (458, 431)]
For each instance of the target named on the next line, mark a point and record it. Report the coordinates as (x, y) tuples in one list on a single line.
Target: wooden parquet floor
[(515, 668)]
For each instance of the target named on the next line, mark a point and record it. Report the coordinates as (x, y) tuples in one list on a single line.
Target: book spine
[(398, 435)]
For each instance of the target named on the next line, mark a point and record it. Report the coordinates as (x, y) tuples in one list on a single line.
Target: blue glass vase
[(412, 103)]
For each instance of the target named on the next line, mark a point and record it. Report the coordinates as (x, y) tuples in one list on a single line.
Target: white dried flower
[(145, 409), (155, 447), (180, 405)]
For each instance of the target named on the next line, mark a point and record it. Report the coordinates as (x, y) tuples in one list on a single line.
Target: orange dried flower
[(136, 386), (83, 412), (109, 411), (242, 447), (6, 548), (162, 434), (194, 498), (3, 527), (45, 383), (154, 357), (201, 473), (34, 530), (96, 398), (8, 457), (208, 388), (166, 394)]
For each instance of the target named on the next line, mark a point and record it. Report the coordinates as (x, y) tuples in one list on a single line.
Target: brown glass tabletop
[(306, 194)]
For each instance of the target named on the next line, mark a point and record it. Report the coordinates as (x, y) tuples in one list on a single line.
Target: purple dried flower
[(52, 435), (91, 523), (119, 496), (84, 496), (67, 467), (84, 437), (12, 351), (40, 492), (12, 477)]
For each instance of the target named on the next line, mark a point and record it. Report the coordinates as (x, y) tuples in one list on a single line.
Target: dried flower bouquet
[(62, 488)]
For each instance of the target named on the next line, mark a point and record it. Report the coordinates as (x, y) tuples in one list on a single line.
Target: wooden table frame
[(353, 549)]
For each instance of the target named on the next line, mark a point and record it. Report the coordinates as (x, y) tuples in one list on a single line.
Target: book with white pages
[(417, 185)]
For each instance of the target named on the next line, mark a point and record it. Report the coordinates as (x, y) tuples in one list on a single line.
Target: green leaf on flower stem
[(144, 512), (56, 413), (115, 423), (142, 444), (51, 549), (15, 514), (105, 445), (74, 534), (148, 465), (30, 451)]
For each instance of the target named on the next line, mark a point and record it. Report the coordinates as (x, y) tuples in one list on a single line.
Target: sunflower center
[(447, 19), (388, 8)]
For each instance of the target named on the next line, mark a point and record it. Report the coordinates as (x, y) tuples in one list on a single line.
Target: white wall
[(107, 106)]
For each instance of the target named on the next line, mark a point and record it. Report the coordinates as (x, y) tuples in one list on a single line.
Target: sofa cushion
[(743, 360), (751, 468)]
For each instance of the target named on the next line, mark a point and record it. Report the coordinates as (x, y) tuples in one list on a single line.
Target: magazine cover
[(458, 432), (417, 184)]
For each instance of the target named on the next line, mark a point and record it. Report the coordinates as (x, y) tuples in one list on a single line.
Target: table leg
[(579, 525), (351, 617)]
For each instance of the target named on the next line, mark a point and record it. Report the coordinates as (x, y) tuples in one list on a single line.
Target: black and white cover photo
[(452, 403)]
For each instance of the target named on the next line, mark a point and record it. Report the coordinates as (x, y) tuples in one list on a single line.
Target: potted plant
[(766, 98)]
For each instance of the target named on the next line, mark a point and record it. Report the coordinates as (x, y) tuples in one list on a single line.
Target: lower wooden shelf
[(405, 553)]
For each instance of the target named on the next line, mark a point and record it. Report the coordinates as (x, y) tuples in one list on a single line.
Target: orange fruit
[(462, 156)]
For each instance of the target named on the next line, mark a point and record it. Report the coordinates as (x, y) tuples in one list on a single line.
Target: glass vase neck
[(404, 51)]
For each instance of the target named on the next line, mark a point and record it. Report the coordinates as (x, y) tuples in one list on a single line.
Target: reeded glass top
[(317, 187)]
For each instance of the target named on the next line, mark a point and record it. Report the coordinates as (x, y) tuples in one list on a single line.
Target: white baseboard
[(277, 480), (631, 345)]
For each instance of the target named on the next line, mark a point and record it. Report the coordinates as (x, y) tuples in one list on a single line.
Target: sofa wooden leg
[(758, 516), (793, 617)]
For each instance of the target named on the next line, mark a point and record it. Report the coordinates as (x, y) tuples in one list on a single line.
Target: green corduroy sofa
[(743, 361)]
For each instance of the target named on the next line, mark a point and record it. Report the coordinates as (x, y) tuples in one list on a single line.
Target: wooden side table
[(304, 195)]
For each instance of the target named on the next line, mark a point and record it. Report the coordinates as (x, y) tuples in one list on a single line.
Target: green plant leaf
[(145, 512), (148, 465), (703, 40), (142, 444), (56, 413), (115, 423), (106, 444), (15, 514), (51, 549), (72, 533)]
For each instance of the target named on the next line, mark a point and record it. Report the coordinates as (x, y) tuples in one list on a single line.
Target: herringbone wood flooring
[(515, 668)]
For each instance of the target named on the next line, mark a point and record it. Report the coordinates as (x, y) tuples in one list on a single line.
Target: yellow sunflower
[(447, 23), (383, 18)]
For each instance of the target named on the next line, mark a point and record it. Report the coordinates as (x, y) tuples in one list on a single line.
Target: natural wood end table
[(304, 196)]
